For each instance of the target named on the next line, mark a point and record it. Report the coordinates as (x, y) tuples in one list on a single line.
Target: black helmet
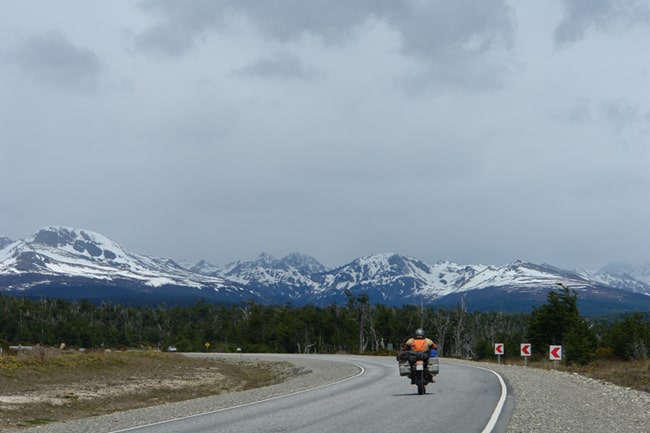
[(419, 333)]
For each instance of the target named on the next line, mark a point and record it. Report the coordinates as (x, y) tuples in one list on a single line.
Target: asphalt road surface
[(463, 399)]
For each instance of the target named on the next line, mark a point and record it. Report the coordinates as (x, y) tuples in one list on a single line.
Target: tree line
[(358, 326)]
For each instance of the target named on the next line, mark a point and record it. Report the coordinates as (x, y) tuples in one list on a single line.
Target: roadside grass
[(39, 421), (630, 374), (40, 388)]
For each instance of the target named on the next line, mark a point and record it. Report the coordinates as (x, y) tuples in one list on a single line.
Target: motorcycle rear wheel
[(420, 382)]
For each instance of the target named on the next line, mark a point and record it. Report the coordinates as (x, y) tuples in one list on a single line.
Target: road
[(464, 399)]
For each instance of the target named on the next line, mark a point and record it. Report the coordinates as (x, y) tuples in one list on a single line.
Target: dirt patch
[(43, 388)]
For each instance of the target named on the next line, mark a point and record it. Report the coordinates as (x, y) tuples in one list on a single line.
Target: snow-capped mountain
[(640, 273), (521, 285), (73, 264), (621, 281), (385, 277), (288, 279), (391, 278), (4, 241), (63, 260), (395, 279), (202, 267)]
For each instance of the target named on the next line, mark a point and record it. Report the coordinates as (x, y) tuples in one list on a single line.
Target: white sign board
[(555, 353)]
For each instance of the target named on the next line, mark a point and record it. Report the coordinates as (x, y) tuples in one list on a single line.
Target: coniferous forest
[(359, 326)]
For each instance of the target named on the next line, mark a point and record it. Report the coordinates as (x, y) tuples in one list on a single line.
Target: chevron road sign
[(525, 349), (555, 353), (499, 349)]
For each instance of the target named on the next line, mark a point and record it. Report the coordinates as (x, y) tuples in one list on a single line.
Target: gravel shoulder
[(555, 401)]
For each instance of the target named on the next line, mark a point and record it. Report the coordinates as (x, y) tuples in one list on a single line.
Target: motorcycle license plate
[(419, 366)]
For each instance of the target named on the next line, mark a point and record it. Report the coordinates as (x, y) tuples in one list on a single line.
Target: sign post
[(555, 354), (499, 350), (525, 352)]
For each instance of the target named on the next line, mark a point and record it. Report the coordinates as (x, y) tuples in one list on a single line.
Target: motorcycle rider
[(419, 342)]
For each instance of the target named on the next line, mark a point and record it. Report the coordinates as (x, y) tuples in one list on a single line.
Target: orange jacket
[(419, 344)]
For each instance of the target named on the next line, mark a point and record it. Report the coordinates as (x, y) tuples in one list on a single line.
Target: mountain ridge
[(58, 257), (61, 261)]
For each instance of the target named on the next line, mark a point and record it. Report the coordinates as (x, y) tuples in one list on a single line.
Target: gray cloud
[(178, 27), (284, 21), (439, 31), (165, 39), (621, 114), (602, 15), (50, 57), (581, 112), (283, 65), (463, 43)]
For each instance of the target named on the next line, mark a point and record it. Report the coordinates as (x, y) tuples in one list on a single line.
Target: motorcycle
[(420, 367)]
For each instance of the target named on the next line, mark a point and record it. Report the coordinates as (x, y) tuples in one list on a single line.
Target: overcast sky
[(479, 132)]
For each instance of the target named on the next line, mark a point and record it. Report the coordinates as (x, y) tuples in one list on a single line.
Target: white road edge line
[(502, 400), (362, 370)]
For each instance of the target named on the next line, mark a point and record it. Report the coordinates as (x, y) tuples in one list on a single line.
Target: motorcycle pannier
[(404, 369), (433, 366)]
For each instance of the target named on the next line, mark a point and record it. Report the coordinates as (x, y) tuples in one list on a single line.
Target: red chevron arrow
[(525, 349), (555, 353), (498, 348)]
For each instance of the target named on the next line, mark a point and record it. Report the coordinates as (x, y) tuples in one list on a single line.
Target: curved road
[(464, 399)]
